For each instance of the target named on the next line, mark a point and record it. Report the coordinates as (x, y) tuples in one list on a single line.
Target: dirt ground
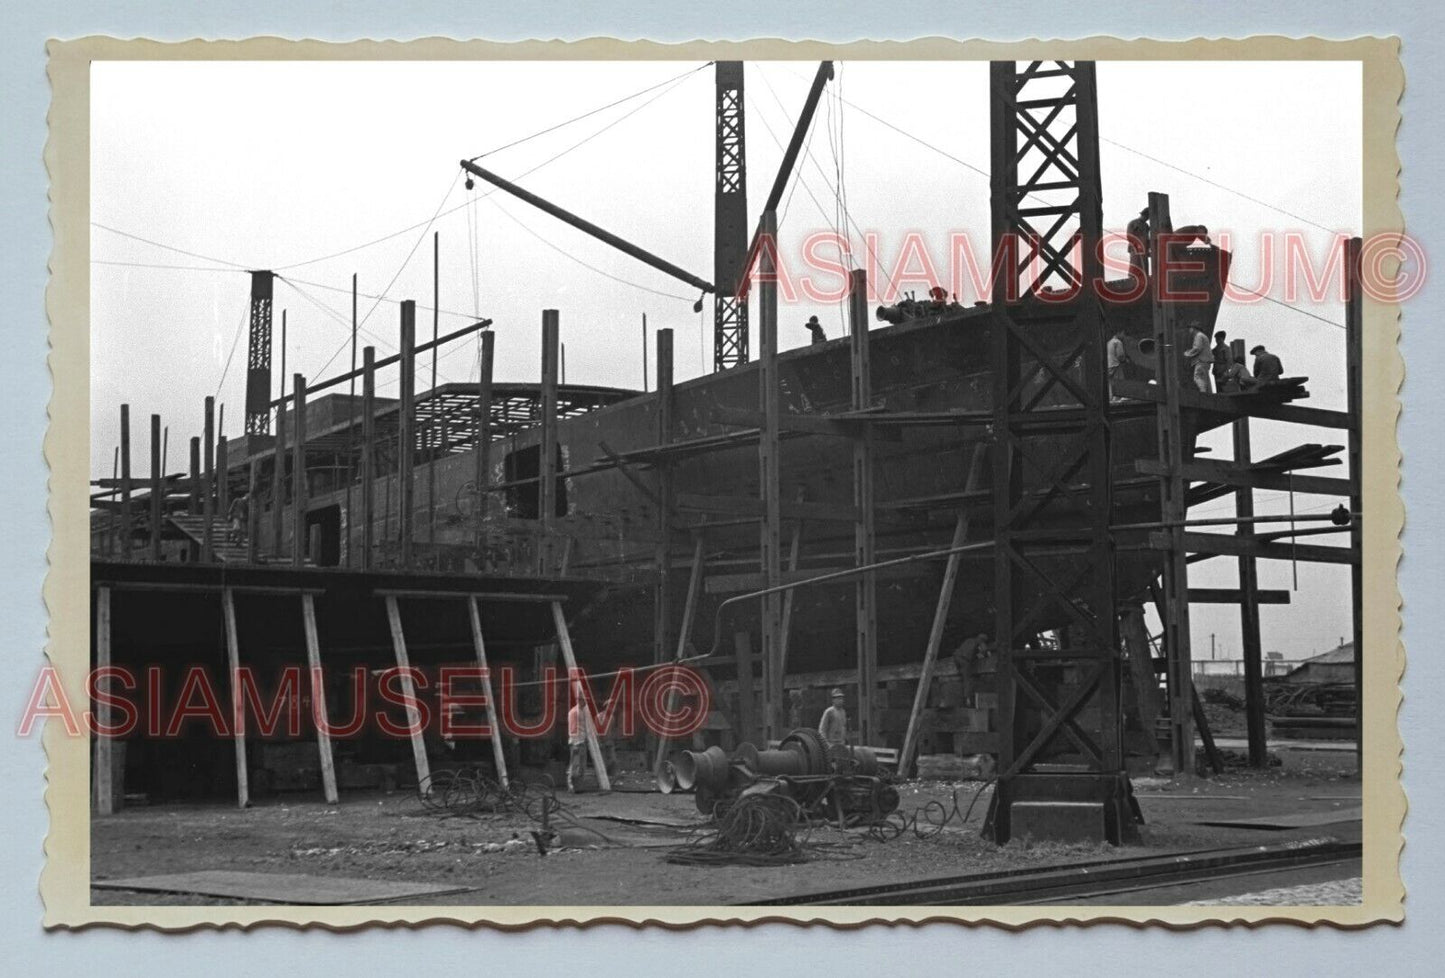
[(393, 837)]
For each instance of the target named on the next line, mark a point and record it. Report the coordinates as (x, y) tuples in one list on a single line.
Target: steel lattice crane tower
[(1054, 553), (730, 220)]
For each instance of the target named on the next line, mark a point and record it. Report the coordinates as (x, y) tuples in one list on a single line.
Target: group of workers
[(1213, 369)]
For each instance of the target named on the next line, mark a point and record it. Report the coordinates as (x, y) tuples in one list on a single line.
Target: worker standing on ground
[(1117, 355), (1267, 367), (833, 728), (1138, 241), (1201, 356), (576, 745), (238, 514), (1223, 359), (816, 328)]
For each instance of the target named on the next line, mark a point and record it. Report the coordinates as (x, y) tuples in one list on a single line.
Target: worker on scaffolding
[(816, 328), (1117, 355), (1138, 240), (1236, 379), (1223, 359), (1267, 367), (238, 515), (1201, 356)]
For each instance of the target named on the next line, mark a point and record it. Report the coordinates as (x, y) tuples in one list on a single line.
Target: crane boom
[(790, 159), (586, 226)]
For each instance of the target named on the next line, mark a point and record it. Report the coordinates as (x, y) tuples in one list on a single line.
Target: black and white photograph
[(686, 485)]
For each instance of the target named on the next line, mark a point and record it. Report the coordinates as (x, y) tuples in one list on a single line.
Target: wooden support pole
[(498, 755), (194, 506), (484, 440), (351, 434), (104, 785), (157, 488), (769, 484), (431, 469), (684, 634), (1354, 400), (406, 433), (238, 706), (278, 476), (208, 488), (319, 713), (1251, 648), (253, 510), (298, 474), (785, 631), (1174, 605), (865, 590), (125, 484), (547, 451), (564, 641), (1141, 671), (408, 690), (662, 611), (368, 453), (940, 617), (223, 487)]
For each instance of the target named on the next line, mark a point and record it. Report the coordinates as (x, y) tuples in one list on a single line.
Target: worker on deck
[(1201, 356), (1223, 359), (1117, 355), (833, 728), (237, 515), (816, 328), (1138, 241), (1237, 378), (1267, 368)]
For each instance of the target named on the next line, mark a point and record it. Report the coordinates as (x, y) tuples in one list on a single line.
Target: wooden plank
[(1237, 405), (238, 708), (748, 506), (1231, 546), (480, 647), (684, 633), (1228, 595), (794, 544), (1224, 473), (594, 749), (318, 699), (1141, 670), (806, 424), (743, 583), (940, 618), (413, 717), (104, 745)]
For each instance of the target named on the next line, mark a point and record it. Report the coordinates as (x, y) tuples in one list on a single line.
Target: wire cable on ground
[(757, 830)]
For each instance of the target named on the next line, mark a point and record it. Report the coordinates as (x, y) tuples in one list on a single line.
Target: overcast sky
[(276, 165)]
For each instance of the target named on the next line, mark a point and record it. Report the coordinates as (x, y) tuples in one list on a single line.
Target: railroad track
[(1050, 884)]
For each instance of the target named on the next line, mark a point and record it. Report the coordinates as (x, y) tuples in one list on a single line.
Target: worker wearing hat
[(1138, 241), (833, 728), (816, 328)]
